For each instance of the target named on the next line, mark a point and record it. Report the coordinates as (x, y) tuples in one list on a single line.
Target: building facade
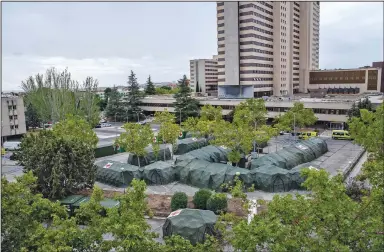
[(345, 81), (203, 76), (380, 64), (326, 110), (264, 47), (12, 116)]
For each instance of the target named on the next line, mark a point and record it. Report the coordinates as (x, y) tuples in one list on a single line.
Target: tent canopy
[(293, 155), (189, 144), (159, 173), (116, 173), (209, 153), (191, 224)]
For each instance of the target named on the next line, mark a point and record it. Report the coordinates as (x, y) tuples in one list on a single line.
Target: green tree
[(134, 97), (185, 105), (238, 137), (252, 111), (325, 220), (297, 116), (115, 108), (62, 165), (23, 213), (361, 104), (107, 92), (169, 132), (55, 94), (75, 128), (367, 130), (211, 113), (135, 139), (204, 126), (32, 119), (127, 224), (163, 117), (150, 89)]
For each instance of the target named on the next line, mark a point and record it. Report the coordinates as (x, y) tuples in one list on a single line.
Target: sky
[(108, 40)]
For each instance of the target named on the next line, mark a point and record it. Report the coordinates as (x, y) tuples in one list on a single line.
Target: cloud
[(108, 40), (351, 34)]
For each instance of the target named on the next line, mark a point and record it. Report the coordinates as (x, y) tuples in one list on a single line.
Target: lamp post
[(294, 126)]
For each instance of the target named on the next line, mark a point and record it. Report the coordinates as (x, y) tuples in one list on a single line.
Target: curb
[(353, 164)]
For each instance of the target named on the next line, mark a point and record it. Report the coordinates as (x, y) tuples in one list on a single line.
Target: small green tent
[(159, 173), (271, 178), (191, 224), (116, 173), (189, 144)]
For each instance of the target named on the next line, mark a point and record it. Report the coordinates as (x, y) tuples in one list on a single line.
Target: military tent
[(243, 174), (159, 173), (293, 155), (208, 153), (202, 174), (116, 173), (271, 178), (189, 144), (191, 224)]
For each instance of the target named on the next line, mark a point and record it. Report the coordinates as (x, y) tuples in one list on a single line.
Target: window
[(14, 106), (12, 127), (16, 126), (10, 117), (9, 107)]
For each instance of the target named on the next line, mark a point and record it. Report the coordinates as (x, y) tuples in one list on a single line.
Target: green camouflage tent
[(243, 174), (293, 155), (202, 174), (159, 173), (209, 153), (191, 224), (271, 178), (189, 144), (116, 173), (150, 157)]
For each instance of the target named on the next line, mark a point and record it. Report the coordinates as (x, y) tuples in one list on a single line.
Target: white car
[(12, 145), (105, 125)]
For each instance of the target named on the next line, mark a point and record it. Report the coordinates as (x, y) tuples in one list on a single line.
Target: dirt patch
[(161, 204)]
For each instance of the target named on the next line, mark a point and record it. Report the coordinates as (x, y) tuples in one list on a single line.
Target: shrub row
[(203, 199)]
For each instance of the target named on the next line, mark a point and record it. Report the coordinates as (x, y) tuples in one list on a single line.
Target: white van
[(11, 145)]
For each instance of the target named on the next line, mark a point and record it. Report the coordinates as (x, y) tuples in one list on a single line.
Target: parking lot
[(341, 156)]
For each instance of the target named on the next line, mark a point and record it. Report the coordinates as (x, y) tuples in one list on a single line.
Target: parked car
[(12, 145), (98, 126)]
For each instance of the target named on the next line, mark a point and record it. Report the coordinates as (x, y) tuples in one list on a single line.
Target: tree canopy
[(134, 97), (185, 105), (135, 138), (55, 94), (77, 129), (150, 88), (62, 164), (115, 107), (298, 115)]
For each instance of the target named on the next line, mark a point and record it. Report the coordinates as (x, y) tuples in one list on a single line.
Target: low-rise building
[(344, 81), (326, 109), (12, 116)]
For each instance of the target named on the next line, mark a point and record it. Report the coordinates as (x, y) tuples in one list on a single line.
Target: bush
[(179, 200), (201, 197), (217, 203)]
